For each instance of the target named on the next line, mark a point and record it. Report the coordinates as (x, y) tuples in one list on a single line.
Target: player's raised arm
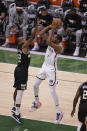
[(42, 32), (75, 101), (54, 39), (27, 43)]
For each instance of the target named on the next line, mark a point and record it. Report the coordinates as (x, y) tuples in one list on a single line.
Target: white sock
[(55, 98), (17, 112), (79, 126), (18, 101)]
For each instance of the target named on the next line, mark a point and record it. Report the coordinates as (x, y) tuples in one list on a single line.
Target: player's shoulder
[(83, 85)]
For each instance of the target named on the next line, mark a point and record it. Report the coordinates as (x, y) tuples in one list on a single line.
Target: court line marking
[(35, 76), (24, 117), (41, 53)]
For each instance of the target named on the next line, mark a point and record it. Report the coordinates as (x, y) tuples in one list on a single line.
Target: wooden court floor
[(68, 84)]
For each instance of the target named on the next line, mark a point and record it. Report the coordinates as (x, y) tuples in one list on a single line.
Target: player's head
[(56, 38)]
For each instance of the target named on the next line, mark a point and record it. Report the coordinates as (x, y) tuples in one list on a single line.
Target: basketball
[(57, 22)]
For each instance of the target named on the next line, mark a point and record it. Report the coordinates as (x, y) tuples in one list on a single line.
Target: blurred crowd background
[(18, 18)]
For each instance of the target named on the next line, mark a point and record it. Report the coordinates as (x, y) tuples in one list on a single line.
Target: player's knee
[(51, 83), (52, 88), (37, 83)]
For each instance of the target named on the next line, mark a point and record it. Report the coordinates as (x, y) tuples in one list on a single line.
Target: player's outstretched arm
[(56, 47), (42, 32), (75, 101), (27, 43)]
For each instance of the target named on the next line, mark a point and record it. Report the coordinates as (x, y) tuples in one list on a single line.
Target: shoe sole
[(58, 122), (16, 120), (30, 110)]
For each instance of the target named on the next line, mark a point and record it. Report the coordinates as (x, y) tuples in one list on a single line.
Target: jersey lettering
[(85, 94), (19, 58)]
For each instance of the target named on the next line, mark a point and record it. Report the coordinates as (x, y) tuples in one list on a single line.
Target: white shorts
[(49, 72)]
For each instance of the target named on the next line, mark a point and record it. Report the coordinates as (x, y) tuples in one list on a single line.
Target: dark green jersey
[(83, 93)]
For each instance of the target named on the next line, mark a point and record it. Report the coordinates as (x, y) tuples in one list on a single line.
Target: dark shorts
[(82, 113), (20, 78)]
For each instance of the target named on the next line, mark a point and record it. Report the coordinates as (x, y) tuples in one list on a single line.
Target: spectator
[(83, 6), (67, 4), (45, 20), (31, 19), (17, 22), (72, 26), (24, 3), (46, 3), (3, 13)]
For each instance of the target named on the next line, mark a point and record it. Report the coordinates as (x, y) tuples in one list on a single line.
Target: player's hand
[(20, 40), (72, 113)]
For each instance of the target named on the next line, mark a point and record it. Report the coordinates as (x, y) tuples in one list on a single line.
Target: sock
[(17, 112), (36, 99), (18, 101), (79, 126)]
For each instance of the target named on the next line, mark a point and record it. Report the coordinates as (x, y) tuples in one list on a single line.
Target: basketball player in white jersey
[(49, 68)]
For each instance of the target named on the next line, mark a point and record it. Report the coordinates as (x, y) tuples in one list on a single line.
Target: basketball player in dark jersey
[(21, 75), (82, 112)]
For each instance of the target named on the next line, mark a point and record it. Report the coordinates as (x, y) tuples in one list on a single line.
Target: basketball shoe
[(13, 110), (17, 118), (59, 117), (35, 106)]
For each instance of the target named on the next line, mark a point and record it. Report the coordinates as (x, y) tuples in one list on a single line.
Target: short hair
[(59, 37)]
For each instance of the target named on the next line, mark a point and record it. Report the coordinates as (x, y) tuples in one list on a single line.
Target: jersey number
[(84, 94), (19, 58)]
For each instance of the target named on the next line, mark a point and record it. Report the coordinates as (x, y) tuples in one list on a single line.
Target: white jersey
[(51, 56)]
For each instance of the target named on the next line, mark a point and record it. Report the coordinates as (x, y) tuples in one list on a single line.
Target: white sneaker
[(59, 117), (5, 44), (35, 106), (76, 52), (36, 47), (86, 56)]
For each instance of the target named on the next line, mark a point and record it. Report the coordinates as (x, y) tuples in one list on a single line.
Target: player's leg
[(20, 85), (16, 110), (36, 89), (86, 123), (82, 111), (52, 78), (14, 99), (79, 126), (40, 77), (59, 114), (36, 104)]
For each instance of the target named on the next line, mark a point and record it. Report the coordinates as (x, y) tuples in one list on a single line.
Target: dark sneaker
[(59, 117), (35, 106), (17, 118), (13, 110)]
